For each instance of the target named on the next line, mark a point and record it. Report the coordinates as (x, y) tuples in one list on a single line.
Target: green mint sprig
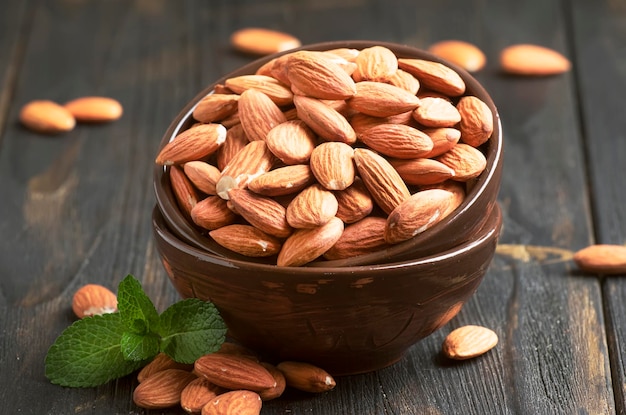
[(98, 349)]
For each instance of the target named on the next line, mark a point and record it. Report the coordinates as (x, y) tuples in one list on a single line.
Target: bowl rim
[(489, 232), (188, 232)]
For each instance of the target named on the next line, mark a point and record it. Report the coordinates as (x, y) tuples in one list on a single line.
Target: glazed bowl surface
[(454, 230), (347, 320)]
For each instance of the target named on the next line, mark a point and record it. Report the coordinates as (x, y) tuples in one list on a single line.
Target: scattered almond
[(458, 52), (237, 402), (94, 109), (234, 372), (163, 389), (261, 41), (533, 60), (93, 299), (469, 341), (306, 377), (197, 394), (47, 117), (604, 259)]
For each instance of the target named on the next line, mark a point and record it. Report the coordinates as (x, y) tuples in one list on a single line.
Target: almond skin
[(382, 100), (422, 171), (533, 60), (258, 114), (292, 142), (476, 121), (184, 191), (46, 117), (262, 212), (328, 123), (466, 161), (305, 245), (195, 143), (468, 342), (436, 112), (215, 107), (376, 63), (95, 109), (246, 240), (306, 377), (212, 213), (332, 166), (283, 180), (163, 389), (463, 54), (443, 139), (604, 259), (397, 140), (312, 207), (434, 75), (261, 41), (234, 372), (237, 402), (93, 299), (203, 175), (316, 74)]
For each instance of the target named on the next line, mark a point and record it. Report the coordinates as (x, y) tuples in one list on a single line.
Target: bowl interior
[(453, 230)]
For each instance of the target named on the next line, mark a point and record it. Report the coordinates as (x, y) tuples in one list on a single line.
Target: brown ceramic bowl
[(458, 228), (347, 320)]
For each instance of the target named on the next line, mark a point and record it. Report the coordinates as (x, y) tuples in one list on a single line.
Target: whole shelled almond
[(212, 213), (258, 114), (93, 299), (318, 75), (159, 363), (236, 140), (197, 394), (249, 163), (246, 240), (94, 109), (215, 107), (376, 63), (403, 79), (434, 75), (312, 207), (466, 161), (306, 377), (327, 122), (281, 383), (203, 175), (463, 54), (332, 165), (196, 143), (163, 389), (184, 191), (292, 142), (532, 60), (283, 180), (468, 342), (278, 92), (382, 100), (237, 402), (47, 117), (436, 113), (354, 203), (422, 171), (305, 245), (233, 372), (397, 140), (476, 121), (261, 41), (443, 139), (606, 259), (262, 212), (364, 236)]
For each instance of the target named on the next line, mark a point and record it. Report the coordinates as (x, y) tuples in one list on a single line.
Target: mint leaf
[(136, 309), (88, 353), (138, 347), (191, 328)]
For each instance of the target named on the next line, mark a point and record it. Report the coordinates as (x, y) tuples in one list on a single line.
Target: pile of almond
[(328, 154), (230, 381)]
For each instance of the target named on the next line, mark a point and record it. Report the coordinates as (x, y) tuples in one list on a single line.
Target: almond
[(476, 121), (361, 122), (403, 79), (381, 180), (466, 161), (278, 92), (94, 109), (332, 165), (93, 299), (197, 394), (261, 41), (422, 171), (233, 372), (250, 162), (237, 402), (305, 245), (161, 362), (184, 191), (376, 63), (348, 54), (47, 117), (246, 240), (163, 389), (262, 212), (354, 203), (419, 212), (292, 142), (362, 237), (306, 377), (203, 175), (533, 60), (458, 52), (436, 112), (212, 213), (328, 123), (443, 139), (215, 107), (605, 259), (434, 75), (469, 341), (258, 114), (236, 139), (318, 76), (397, 140), (195, 143), (312, 207), (382, 100), (281, 383), (283, 181)]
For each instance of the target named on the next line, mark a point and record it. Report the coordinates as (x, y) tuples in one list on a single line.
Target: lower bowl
[(346, 320)]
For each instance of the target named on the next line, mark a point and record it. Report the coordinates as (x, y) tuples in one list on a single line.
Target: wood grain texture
[(76, 208)]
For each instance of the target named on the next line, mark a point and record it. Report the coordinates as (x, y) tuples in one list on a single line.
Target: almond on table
[(467, 55), (533, 60), (261, 41), (95, 109), (47, 117)]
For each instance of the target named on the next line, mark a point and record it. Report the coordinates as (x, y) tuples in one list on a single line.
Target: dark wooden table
[(75, 208)]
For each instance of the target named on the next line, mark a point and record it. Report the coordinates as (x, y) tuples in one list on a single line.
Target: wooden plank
[(599, 39)]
